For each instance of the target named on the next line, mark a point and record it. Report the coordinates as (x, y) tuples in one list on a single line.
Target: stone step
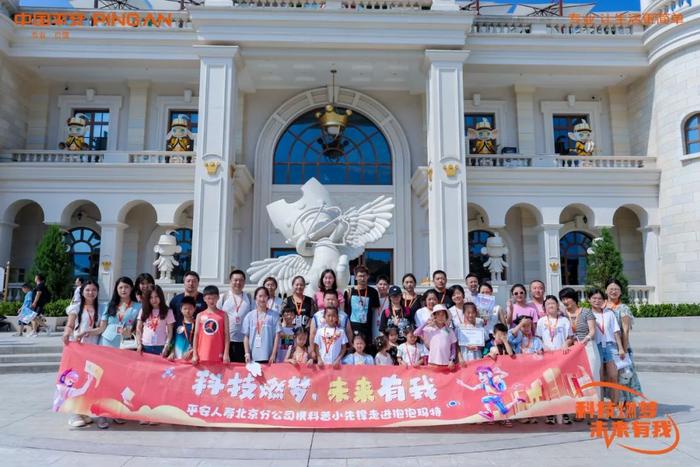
[(653, 349), (663, 367), (30, 348), (30, 358), (666, 357), (34, 367)]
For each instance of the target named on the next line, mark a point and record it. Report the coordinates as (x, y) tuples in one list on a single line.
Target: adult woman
[(396, 314), (303, 304), (411, 299), (519, 306), (143, 281), (424, 314), (119, 319), (457, 310), (274, 303), (259, 328), (328, 281), (625, 320)]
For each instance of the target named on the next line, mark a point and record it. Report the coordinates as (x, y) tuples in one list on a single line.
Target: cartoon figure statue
[(485, 137), (582, 134), (324, 236), (492, 382), (166, 248), (180, 137), (77, 125), (65, 389), (495, 249)]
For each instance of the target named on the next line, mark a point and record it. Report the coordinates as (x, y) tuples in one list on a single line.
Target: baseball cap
[(394, 290)]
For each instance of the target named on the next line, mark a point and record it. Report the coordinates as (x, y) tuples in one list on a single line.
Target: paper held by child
[(470, 336), (622, 363)]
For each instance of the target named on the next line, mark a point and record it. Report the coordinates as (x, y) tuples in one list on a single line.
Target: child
[(26, 314), (501, 343), (184, 334), (382, 358), (522, 337), (439, 338), (467, 351), (412, 353), (259, 329), (298, 353), (154, 328), (284, 337), (330, 340), (358, 357), (392, 334), (211, 329), (554, 331)]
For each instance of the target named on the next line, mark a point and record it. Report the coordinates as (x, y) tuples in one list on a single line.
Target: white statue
[(324, 236), (495, 249), (166, 248)]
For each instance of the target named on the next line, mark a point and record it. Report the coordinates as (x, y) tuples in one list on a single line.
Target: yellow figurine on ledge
[(582, 134), (77, 126), (485, 137), (180, 137)]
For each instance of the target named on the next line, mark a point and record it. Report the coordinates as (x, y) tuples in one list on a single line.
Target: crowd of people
[(443, 327)]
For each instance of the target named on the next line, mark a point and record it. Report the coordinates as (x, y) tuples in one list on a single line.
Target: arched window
[(84, 249), (361, 157), (477, 240), (691, 134), (184, 239), (573, 248)]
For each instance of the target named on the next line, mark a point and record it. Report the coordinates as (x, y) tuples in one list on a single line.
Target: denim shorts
[(153, 349), (607, 351)]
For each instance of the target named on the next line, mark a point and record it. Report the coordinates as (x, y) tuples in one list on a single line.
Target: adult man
[(191, 283), (237, 304), (440, 285), (537, 296), (472, 289), (362, 303), (40, 297)]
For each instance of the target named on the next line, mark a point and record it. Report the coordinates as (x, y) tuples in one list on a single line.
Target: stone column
[(212, 239), (619, 121), (447, 192), (6, 231), (37, 118), (650, 242), (111, 250), (136, 125), (525, 116), (550, 268)]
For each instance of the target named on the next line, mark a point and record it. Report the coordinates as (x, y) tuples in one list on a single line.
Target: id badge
[(258, 341)]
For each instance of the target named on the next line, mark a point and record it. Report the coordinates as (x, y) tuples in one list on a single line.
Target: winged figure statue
[(324, 236)]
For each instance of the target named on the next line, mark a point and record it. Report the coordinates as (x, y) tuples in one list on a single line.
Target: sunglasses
[(518, 293)]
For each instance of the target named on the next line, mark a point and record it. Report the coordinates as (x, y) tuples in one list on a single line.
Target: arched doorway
[(573, 248), (84, 249)]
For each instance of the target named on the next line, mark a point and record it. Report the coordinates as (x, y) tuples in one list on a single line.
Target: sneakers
[(119, 421), (102, 423), (550, 420), (79, 421)]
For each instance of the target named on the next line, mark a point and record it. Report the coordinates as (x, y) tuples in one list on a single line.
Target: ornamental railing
[(557, 161), (638, 294), (518, 25), (98, 157)]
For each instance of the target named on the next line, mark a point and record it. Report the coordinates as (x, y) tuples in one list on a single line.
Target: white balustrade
[(638, 294), (606, 162), (490, 25), (499, 160), (99, 157), (161, 157)]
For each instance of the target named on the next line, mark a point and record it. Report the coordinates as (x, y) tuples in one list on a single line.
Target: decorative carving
[(450, 169), (212, 166), (166, 249), (554, 266), (106, 265), (430, 174), (325, 237), (496, 250)]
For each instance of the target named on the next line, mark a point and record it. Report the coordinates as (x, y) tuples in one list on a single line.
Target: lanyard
[(601, 327), (187, 333), (298, 305), (260, 323), (362, 298), (237, 305), (414, 359), (444, 294), (409, 304), (552, 329), (328, 341), (574, 320), (395, 316)]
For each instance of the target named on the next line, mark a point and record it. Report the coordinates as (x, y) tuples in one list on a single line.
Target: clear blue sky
[(601, 5)]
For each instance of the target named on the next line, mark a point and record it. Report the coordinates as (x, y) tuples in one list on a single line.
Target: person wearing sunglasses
[(519, 306)]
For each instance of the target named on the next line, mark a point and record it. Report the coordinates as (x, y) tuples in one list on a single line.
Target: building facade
[(250, 77)]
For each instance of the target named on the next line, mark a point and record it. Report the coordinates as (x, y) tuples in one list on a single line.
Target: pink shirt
[(528, 310), (439, 342), (155, 330), (540, 308)]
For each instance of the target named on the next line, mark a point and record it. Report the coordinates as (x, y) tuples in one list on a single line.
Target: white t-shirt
[(275, 304), (385, 360), (411, 354), (330, 342), (553, 332), (320, 321), (457, 318), (86, 323), (236, 307), (422, 316), (606, 326)]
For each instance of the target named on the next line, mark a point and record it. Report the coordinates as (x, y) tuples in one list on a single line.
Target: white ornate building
[(251, 74)]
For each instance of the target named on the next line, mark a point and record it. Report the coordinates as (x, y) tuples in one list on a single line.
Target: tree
[(605, 263), (53, 261)]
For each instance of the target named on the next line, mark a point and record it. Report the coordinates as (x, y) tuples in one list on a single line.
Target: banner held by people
[(101, 381)]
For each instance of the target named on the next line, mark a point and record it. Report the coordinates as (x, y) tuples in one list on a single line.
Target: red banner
[(102, 381)]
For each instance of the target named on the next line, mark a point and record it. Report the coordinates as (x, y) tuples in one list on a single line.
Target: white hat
[(439, 307)]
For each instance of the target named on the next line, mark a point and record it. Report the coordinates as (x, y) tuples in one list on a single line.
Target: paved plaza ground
[(32, 435)]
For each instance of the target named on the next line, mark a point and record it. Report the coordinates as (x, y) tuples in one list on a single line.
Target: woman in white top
[(274, 303), (425, 313), (237, 304), (607, 337), (496, 315)]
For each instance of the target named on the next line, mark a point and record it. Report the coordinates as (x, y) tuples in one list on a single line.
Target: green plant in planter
[(604, 263), (57, 308), (10, 308), (53, 261)]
